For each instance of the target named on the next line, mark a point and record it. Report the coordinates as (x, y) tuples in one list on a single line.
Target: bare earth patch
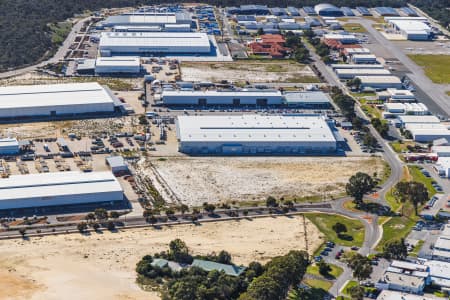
[(101, 266), (196, 180), (243, 71)]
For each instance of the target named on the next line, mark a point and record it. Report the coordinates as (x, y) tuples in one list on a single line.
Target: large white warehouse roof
[(411, 26), (254, 128), (155, 42), (57, 188), (379, 79), (52, 95), (118, 61)]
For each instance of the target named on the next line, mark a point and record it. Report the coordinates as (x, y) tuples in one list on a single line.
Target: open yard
[(101, 265), (226, 179), (437, 67), (252, 70)]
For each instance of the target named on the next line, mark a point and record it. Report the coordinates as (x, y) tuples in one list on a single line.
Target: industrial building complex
[(50, 189), (254, 97), (150, 43), (256, 135), (160, 20), (55, 100)]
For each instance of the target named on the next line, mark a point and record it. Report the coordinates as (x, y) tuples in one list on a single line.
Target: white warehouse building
[(51, 189), (380, 82), (118, 64), (55, 100), (9, 146), (352, 73), (228, 97), (412, 29), (148, 19), (256, 135), (148, 43)]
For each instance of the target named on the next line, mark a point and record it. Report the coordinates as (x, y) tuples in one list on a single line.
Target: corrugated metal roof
[(307, 97), (57, 184), (254, 128), (116, 61), (8, 142), (53, 95), (154, 39)]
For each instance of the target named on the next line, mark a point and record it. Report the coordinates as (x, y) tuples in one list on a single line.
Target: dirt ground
[(101, 266), (243, 71), (222, 179)]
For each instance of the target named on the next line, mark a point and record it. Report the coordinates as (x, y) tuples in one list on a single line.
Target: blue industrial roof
[(277, 11), (293, 11), (309, 10), (409, 11), (386, 11), (245, 18), (347, 11), (363, 10)]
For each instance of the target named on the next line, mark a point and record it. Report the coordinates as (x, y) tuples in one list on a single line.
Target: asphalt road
[(372, 230), (417, 75), (59, 55)]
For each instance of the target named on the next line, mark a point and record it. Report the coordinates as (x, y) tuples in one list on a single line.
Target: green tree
[(95, 226), (101, 214), (170, 212), (339, 228), (114, 214), (224, 257), (361, 266), (184, 209), (271, 202), (324, 268), (90, 217), (358, 185), (279, 275), (395, 250), (210, 208), (179, 251), (111, 225), (82, 227), (414, 192), (356, 292), (22, 231)]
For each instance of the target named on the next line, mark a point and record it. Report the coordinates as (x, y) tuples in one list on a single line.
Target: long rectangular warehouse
[(380, 82), (255, 135), (51, 189), (148, 19), (148, 43), (356, 66), (352, 73), (55, 100), (118, 64), (203, 98)]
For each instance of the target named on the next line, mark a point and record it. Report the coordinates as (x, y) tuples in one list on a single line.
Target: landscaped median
[(399, 227), (324, 222)]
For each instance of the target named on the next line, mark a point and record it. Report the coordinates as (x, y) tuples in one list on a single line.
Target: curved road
[(59, 55)]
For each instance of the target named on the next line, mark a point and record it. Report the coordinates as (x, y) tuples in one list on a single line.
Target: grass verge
[(419, 177), (335, 272), (355, 229), (417, 248), (437, 67), (318, 283)]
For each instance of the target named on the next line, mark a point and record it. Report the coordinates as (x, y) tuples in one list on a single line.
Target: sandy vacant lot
[(243, 71), (216, 179), (101, 266)]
